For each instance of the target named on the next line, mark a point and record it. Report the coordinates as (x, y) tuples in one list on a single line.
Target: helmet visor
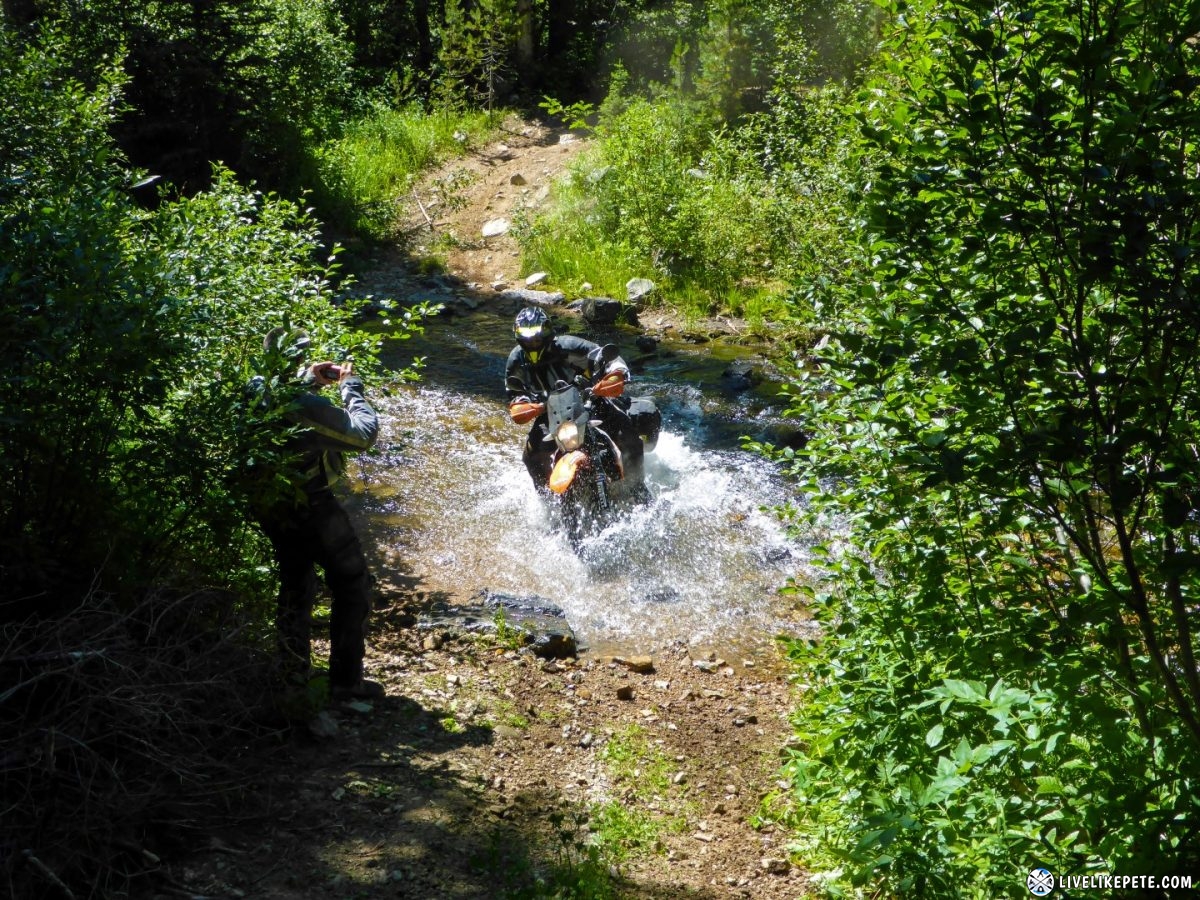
[(531, 337)]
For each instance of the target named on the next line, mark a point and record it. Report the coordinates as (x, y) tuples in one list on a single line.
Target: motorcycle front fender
[(565, 470)]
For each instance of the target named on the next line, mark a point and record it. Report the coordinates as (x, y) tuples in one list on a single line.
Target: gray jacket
[(329, 431)]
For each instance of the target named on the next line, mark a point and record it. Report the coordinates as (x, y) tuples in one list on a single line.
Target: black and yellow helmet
[(533, 331)]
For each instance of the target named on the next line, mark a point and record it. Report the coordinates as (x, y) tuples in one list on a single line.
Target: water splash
[(700, 563)]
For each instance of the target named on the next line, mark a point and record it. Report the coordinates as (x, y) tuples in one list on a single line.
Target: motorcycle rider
[(539, 361)]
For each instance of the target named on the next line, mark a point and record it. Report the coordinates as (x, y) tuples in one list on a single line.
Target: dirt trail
[(486, 770)]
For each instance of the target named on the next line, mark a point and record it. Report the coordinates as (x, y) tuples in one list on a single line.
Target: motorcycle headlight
[(568, 436)]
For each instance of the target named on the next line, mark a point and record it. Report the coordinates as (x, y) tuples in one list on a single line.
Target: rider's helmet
[(533, 332)]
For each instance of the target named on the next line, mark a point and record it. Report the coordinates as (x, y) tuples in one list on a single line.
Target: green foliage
[(1004, 420), (623, 831), (475, 56), (512, 637), (244, 84), (725, 220), (575, 115), (568, 864), (362, 177), (129, 337)]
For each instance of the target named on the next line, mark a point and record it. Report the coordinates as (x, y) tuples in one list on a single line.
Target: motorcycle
[(589, 470)]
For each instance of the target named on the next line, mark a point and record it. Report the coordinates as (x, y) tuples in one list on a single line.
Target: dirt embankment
[(487, 772)]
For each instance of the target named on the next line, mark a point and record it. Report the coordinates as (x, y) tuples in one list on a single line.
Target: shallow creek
[(448, 502)]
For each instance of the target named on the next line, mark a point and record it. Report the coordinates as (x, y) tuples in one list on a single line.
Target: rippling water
[(700, 563)]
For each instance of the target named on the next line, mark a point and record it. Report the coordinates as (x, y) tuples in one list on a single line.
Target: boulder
[(496, 227), (532, 298), (646, 344), (544, 623), (602, 310), (638, 289)]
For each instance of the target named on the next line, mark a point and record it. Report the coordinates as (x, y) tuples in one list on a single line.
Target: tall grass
[(726, 222), (360, 176)]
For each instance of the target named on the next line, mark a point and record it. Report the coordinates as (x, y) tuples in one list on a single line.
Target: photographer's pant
[(321, 534)]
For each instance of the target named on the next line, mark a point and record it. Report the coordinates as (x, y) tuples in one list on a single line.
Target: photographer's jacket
[(326, 430), (329, 431)]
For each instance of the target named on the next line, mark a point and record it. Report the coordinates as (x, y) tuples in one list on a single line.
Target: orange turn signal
[(523, 412), (564, 470)]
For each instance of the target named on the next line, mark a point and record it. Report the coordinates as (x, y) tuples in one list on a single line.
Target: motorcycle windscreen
[(565, 469)]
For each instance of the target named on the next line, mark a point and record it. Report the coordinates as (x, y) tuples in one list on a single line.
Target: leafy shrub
[(1004, 418), (136, 593), (729, 219)]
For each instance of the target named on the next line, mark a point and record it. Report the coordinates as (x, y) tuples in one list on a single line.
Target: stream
[(449, 503)]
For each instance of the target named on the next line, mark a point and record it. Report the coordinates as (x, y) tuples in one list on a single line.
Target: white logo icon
[(1040, 882)]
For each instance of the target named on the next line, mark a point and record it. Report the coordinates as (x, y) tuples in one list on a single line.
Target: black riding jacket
[(565, 357)]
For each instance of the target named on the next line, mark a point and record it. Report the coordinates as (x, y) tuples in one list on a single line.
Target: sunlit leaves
[(1008, 414)]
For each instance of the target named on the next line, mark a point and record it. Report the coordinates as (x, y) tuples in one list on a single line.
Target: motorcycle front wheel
[(583, 507)]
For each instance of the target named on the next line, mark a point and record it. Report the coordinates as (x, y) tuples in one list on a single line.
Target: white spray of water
[(698, 563)]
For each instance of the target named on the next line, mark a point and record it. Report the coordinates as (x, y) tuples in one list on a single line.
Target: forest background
[(969, 228)]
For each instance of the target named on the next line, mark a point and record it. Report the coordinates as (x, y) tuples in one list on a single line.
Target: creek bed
[(449, 503)]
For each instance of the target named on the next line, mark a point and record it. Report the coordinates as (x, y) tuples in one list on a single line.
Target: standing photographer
[(311, 528)]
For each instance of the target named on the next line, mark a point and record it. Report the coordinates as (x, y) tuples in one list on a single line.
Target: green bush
[(129, 336), (1004, 421), (729, 220)]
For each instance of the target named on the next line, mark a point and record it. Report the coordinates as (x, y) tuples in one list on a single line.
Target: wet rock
[(646, 344), (545, 625), (666, 595), (705, 665), (776, 554), (602, 310), (740, 375)]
